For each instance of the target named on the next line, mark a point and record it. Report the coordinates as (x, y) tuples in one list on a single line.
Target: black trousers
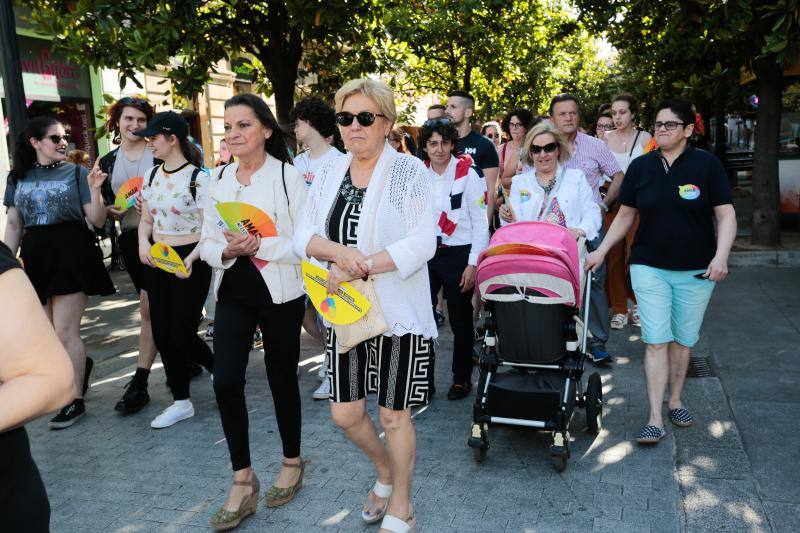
[(176, 308), (445, 271), (234, 326), (24, 506)]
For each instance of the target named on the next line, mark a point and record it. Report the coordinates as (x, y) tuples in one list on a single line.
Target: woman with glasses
[(627, 142), (49, 202), (515, 125), (551, 192), (678, 192), (603, 124), (492, 131), (370, 214), (130, 160), (258, 283)]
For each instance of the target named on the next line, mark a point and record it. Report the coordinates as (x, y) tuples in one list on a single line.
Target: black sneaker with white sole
[(68, 415)]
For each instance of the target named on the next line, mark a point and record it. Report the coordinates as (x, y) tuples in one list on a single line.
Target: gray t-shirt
[(49, 195), (124, 170)]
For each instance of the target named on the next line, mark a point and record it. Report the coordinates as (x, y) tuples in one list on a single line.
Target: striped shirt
[(595, 159)]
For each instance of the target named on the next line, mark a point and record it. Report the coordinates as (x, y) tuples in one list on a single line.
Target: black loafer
[(133, 400), (459, 391)]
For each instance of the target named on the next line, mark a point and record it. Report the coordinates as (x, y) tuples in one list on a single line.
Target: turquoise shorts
[(671, 303)]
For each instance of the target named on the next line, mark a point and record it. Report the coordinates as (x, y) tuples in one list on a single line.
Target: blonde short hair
[(545, 126), (375, 90)]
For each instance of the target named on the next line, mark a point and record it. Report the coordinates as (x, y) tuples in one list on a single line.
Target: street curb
[(770, 259)]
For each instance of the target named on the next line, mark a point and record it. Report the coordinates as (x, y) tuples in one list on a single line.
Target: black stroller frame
[(570, 367)]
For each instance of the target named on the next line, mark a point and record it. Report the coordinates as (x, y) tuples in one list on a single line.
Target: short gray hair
[(375, 90), (545, 126)]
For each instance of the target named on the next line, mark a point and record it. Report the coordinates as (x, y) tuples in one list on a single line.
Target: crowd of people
[(405, 216)]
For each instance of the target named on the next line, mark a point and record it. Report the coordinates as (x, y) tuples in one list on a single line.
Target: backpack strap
[(226, 165), (193, 183), (152, 175)]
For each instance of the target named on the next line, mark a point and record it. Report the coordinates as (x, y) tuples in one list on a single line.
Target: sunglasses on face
[(492, 135), (365, 118), (437, 121), (56, 139), (548, 148)]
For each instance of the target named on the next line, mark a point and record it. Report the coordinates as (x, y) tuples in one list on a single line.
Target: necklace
[(51, 165), (127, 165), (549, 186)]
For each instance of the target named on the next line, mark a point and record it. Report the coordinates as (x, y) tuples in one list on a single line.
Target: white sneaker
[(180, 410), (323, 392), (322, 373), (619, 321)]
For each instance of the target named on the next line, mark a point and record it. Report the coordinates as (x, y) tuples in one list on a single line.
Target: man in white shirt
[(462, 234), (315, 128)]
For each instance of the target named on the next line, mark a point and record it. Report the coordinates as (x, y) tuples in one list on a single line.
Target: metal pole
[(12, 73)]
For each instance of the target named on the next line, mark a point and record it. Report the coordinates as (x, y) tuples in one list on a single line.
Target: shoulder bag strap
[(193, 183), (633, 146), (152, 176)]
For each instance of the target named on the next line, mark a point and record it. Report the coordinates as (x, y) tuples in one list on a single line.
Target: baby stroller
[(530, 280)]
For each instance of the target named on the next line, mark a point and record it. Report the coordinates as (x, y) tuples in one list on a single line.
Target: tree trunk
[(766, 189), (468, 76)]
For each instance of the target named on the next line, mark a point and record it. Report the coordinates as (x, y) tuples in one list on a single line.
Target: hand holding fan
[(126, 195), (166, 258), (345, 307), (245, 218)]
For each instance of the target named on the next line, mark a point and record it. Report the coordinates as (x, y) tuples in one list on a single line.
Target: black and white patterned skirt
[(396, 368)]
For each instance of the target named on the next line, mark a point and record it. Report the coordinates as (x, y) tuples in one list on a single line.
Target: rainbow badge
[(345, 307), (126, 196), (246, 218), (166, 258), (524, 195), (689, 191)]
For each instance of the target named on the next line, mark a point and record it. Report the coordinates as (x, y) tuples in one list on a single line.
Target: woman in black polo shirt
[(677, 192)]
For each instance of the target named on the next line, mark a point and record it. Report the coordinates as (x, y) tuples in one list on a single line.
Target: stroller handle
[(586, 303)]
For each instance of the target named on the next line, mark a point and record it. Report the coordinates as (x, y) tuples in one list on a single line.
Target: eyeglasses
[(56, 139), (514, 125), (606, 127), (548, 148), (365, 118), (668, 125), (437, 122)]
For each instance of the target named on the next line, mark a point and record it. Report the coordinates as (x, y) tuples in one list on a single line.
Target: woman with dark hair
[(397, 141), (602, 124), (515, 125), (130, 160), (48, 200), (461, 235), (173, 198), (627, 142), (258, 282), (492, 131)]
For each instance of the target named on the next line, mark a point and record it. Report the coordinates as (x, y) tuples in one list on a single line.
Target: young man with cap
[(593, 157)]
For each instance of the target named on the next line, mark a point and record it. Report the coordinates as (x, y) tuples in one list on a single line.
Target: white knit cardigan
[(403, 226)]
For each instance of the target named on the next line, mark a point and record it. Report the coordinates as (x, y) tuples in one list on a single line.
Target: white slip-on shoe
[(180, 410), (323, 392)]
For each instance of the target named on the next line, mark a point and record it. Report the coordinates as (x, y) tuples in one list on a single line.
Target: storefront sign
[(244, 70)]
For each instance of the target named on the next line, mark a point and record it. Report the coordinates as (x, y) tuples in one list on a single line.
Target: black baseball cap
[(167, 122)]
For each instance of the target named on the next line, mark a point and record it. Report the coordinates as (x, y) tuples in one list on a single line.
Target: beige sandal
[(277, 496), (395, 525), (223, 520), (370, 514)]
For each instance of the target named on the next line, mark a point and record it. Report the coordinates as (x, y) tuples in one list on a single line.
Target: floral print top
[(170, 201)]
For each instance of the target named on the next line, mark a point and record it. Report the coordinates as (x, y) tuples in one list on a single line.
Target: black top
[(481, 150), (676, 208), (345, 213), (242, 284), (7, 259)]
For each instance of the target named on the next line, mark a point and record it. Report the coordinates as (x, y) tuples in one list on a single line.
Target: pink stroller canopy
[(532, 261)]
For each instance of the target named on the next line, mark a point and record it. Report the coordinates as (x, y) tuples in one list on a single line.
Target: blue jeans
[(599, 323)]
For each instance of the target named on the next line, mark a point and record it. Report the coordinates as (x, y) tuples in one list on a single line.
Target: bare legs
[(665, 364), (394, 463), (147, 346), (65, 313)]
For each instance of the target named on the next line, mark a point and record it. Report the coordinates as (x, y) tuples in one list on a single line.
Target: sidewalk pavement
[(113, 473)]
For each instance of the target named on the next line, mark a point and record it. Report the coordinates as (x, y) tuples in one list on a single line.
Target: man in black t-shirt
[(677, 191), (460, 108)]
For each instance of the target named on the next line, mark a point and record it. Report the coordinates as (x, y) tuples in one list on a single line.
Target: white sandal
[(381, 491), (395, 525), (619, 321)]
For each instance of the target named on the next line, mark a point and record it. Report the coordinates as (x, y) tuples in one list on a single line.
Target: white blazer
[(282, 274), (572, 194), (403, 226)]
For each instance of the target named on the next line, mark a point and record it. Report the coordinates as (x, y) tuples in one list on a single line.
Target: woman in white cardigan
[(370, 213), (550, 192), (257, 283)]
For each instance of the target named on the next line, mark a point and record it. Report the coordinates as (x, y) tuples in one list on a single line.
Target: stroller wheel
[(559, 450), (594, 404)]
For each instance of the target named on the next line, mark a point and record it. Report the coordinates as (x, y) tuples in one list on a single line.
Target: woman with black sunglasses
[(370, 214), (551, 192), (49, 202)]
